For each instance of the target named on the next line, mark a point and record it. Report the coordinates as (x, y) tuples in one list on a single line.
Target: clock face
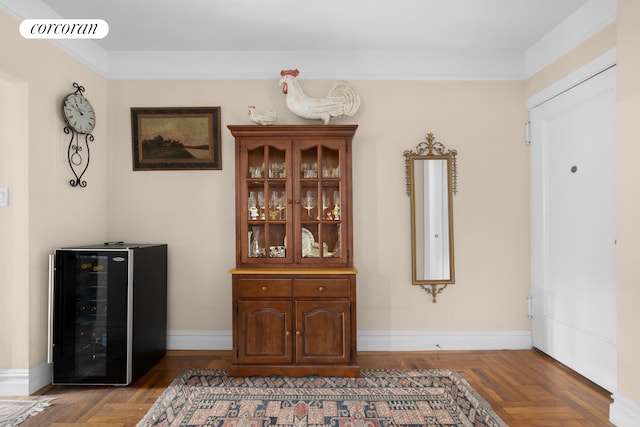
[(79, 113)]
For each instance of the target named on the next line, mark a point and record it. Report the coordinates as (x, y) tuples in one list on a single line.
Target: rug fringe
[(38, 406)]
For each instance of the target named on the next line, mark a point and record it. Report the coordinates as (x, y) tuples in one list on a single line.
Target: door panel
[(322, 332), (573, 228), (259, 320)]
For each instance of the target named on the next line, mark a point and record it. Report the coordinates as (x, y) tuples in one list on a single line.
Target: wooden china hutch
[(294, 285)]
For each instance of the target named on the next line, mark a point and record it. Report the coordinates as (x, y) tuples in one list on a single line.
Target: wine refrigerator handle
[(50, 316)]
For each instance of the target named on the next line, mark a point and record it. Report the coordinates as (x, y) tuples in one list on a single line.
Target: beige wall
[(44, 210), (14, 225), (628, 200), (193, 211)]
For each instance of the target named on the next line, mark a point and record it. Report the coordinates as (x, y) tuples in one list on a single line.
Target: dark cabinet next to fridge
[(108, 312)]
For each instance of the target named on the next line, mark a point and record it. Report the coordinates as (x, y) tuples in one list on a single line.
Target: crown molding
[(583, 24), (355, 65)]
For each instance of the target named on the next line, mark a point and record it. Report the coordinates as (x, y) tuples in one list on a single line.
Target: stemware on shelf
[(261, 204), (282, 203), (274, 202), (325, 205), (309, 202), (253, 210)]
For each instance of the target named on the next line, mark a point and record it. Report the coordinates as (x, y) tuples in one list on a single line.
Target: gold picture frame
[(174, 138)]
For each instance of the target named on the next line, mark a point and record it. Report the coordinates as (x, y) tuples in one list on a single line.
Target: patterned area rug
[(380, 398), (13, 412)]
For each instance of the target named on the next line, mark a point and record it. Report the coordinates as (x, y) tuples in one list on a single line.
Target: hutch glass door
[(267, 192), (295, 199), (319, 191)]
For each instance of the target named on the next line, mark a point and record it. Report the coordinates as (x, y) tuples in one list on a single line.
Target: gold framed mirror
[(431, 175)]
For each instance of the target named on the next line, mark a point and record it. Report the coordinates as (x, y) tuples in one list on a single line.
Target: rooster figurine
[(342, 100), (267, 118)]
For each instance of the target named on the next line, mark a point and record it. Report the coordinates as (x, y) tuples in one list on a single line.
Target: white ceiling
[(291, 25), (140, 30)]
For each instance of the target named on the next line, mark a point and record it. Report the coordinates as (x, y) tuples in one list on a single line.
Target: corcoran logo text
[(64, 29)]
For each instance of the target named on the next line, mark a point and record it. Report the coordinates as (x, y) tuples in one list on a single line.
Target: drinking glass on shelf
[(274, 170), (277, 170), (282, 203), (309, 202), (256, 248), (273, 205), (261, 204), (309, 170), (256, 171), (325, 205), (336, 248), (253, 210)]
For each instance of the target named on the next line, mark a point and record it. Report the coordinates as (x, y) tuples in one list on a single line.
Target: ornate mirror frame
[(431, 173)]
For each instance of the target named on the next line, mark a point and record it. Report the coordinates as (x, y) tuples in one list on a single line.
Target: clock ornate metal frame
[(80, 119)]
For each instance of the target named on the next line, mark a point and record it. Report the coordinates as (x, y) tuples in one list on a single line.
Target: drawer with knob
[(264, 288), (321, 288)]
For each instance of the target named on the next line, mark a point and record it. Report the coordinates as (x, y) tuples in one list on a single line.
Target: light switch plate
[(4, 197)]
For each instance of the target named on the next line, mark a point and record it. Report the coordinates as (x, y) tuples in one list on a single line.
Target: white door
[(573, 228)]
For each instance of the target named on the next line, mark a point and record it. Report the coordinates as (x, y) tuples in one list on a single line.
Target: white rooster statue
[(269, 117), (342, 100)]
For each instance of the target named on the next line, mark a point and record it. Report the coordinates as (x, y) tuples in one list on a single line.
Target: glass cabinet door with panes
[(293, 195), (294, 284)]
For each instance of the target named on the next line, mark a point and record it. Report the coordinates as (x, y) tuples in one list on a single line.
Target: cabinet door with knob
[(266, 337), (322, 331), (294, 325)]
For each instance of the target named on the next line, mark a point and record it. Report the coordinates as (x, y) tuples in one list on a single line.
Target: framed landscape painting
[(176, 138)]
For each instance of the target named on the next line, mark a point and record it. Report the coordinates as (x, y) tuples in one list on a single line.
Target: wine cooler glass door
[(90, 317)]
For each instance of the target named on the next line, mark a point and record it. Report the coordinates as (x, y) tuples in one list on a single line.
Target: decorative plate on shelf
[(307, 242)]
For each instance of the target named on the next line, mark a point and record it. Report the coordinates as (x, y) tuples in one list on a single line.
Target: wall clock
[(80, 117), (78, 112)]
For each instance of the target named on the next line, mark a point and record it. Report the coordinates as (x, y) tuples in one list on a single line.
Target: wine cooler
[(107, 312)]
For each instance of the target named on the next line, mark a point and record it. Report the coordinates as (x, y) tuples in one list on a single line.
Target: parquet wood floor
[(524, 387)]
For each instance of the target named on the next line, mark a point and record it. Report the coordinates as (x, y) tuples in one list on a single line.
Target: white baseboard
[(199, 340), (443, 340), (14, 382), (24, 382), (624, 412), (377, 340)]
